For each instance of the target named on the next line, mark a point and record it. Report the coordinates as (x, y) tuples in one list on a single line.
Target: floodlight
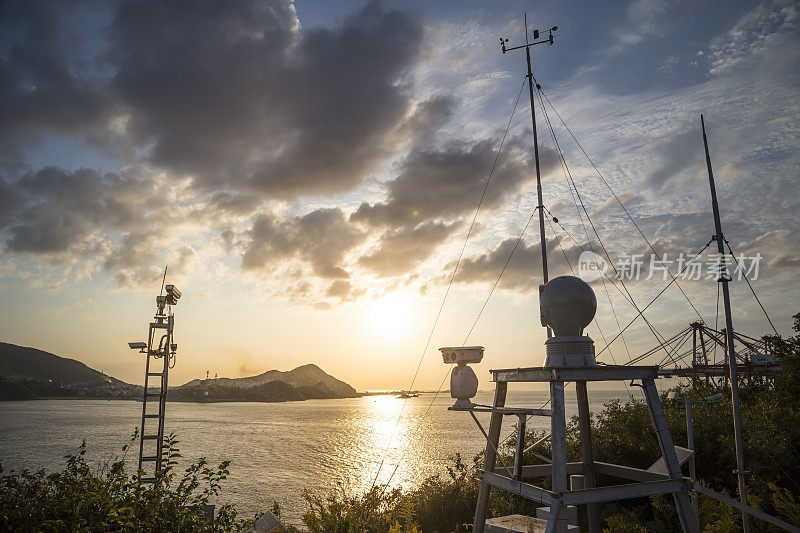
[(173, 291), (137, 345)]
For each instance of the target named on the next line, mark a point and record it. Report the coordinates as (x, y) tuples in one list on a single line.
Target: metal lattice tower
[(160, 354)]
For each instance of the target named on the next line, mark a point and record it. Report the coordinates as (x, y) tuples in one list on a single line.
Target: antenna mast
[(724, 279), (527, 46)]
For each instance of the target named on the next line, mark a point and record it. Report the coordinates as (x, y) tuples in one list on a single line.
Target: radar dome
[(567, 305)]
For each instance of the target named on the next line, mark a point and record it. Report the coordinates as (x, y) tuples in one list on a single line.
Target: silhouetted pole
[(726, 297), (540, 205)]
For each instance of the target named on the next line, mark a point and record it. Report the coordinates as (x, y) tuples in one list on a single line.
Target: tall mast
[(540, 205), (724, 279)]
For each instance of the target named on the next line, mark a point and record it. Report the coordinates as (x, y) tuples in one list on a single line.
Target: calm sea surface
[(276, 449)]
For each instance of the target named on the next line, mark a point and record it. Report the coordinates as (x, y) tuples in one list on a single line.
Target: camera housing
[(462, 355), (463, 381)]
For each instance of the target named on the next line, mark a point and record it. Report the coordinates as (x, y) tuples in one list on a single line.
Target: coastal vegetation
[(111, 499)]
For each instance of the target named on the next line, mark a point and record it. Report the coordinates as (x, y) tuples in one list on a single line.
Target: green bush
[(108, 498)]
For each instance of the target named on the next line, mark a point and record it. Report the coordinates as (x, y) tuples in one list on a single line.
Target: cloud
[(643, 19), (779, 247), (62, 210), (435, 189), (44, 83), (401, 250), (320, 239), (235, 95), (524, 270), (446, 183), (232, 94), (755, 33), (626, 198), (343, 290), (177, 261), (126, 223)]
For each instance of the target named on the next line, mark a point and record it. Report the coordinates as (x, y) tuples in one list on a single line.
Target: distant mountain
[(19, 363), (273, 391), (30, 373), (303, 376)]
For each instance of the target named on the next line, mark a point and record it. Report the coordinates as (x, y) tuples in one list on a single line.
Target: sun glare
[(389, 316)]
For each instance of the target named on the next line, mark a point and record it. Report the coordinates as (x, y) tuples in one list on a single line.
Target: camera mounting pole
[(527, 46), (160, 352)]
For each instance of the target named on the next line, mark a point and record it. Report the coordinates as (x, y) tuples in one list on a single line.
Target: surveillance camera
[(137, 345), (463, 381), (462, 354), (173, 291)]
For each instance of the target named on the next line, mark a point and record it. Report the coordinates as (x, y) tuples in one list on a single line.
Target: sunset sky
[(309, 171)]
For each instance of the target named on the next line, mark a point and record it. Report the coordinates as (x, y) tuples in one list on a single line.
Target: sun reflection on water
[(386, 437)]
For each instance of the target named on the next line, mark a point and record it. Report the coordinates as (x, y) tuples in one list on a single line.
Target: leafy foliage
[(107, 498)]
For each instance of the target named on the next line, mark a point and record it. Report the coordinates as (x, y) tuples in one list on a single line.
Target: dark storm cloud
[(232, 93), (321, 238)]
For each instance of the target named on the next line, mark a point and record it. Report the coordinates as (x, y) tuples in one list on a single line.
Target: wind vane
[(540, 206)]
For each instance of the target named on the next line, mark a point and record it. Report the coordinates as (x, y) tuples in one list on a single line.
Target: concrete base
[(515, 523)]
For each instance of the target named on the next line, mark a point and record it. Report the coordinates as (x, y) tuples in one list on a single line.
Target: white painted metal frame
[(645, 483)]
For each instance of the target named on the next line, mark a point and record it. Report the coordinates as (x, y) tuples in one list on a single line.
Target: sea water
[(276, 449)]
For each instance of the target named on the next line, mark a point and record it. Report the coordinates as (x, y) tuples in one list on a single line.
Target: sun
[(390, 316)]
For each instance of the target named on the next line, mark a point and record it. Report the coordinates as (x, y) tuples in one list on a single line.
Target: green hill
[(20, 363), (303, 376)]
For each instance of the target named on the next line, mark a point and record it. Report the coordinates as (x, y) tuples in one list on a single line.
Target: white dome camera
[(567, 306), (463, 381)]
